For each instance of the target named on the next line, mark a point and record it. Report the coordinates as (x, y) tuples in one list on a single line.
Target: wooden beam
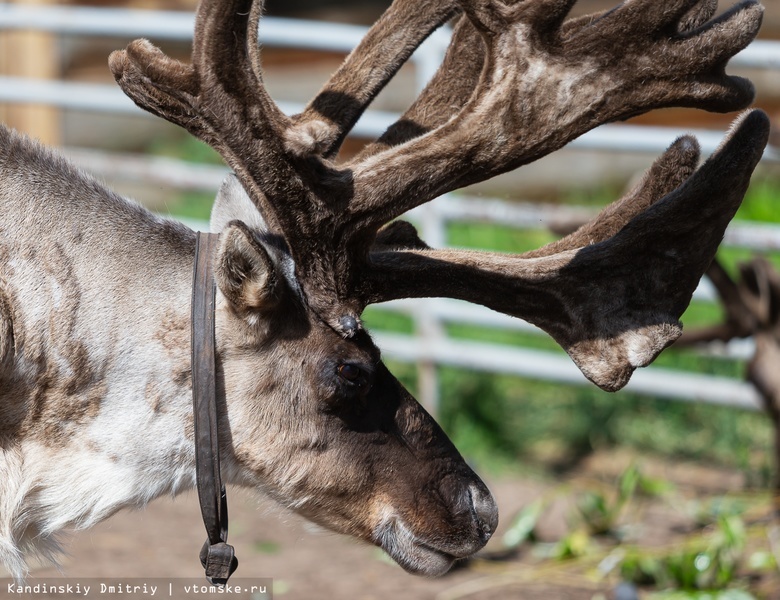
[(31, 54)]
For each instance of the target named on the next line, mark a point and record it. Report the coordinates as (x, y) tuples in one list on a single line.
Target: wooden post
[(30, 54)]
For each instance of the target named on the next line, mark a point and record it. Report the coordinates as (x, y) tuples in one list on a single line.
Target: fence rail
[(430, 346)]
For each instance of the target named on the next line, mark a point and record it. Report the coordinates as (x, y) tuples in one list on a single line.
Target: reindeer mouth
[(432, 550), (413, 554)]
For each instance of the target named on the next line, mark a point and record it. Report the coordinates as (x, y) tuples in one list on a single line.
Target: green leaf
[(654, 487), (574, 545), (627, 484), (523, 525), (732, 530), (762, 561), (595, 510)]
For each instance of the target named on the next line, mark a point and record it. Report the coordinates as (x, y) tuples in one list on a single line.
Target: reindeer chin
[(412, 554)]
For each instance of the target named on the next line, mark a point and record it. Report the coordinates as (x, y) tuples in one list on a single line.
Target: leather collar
[(218, 557)]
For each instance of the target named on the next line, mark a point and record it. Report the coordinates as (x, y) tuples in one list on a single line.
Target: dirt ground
[(305, 562), (162, 542)]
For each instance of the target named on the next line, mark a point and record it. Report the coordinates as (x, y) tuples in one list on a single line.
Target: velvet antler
[(518, 82)]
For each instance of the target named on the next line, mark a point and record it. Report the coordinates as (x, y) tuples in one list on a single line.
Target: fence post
[(31, 54)]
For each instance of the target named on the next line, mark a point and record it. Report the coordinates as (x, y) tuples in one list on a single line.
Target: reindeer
[(751, 308), (95, 292)]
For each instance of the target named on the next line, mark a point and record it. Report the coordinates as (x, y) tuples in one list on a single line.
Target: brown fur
[(7, 342), (310, 414), (519, 81)]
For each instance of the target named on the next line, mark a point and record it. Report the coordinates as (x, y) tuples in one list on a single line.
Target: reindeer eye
[(349, 372)]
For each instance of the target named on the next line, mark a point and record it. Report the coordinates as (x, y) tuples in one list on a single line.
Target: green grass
[(184, 147), (762, 201), (488, 236)]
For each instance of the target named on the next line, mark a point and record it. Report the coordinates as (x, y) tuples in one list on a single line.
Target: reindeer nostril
[(484, 510)]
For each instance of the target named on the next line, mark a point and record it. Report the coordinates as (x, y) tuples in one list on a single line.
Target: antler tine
[(444, 96), (451, 87), (459, 74), (323, 125), (624, 62), (225, 68), (701, 12), (666, 174), (220, 98), (613, 305), (156, 82)]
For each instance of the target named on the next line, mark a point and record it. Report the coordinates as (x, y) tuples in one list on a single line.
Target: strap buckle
[(219, 560)]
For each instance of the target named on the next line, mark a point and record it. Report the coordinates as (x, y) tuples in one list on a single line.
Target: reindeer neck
[(95, 413)]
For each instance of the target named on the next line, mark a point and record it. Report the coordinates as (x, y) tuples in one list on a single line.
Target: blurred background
[(668, 486)]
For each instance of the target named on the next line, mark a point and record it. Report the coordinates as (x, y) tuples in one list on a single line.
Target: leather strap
[(218, 557)]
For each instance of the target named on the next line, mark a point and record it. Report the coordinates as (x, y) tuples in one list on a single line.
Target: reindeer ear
[(244, 271), (233, 204)]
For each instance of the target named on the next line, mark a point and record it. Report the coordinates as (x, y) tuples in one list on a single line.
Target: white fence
[(430, 346)]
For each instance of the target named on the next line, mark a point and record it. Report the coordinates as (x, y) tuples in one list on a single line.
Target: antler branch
[(615, 304), (323, 125), (540, 89), (518, 82), (446, 94), (220, 99), (666, 174)]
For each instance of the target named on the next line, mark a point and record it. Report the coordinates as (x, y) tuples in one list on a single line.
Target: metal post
[(429, 330)]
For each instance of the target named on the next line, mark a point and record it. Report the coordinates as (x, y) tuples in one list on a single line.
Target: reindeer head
[(305, 243), (319, 423)]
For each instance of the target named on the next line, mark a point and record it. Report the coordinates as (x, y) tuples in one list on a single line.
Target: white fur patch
[(309, 138)]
